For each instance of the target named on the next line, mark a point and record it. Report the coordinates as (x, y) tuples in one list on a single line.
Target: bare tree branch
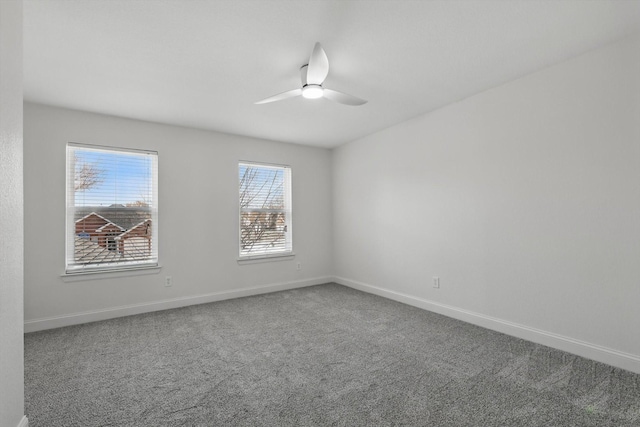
[(137, 204), (260, 228), (87, 175)]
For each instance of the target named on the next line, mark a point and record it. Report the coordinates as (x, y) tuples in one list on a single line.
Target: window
[(265, 210), (112, 208)]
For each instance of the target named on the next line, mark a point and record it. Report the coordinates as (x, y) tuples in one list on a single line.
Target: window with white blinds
[(112, 208), (265, 210)]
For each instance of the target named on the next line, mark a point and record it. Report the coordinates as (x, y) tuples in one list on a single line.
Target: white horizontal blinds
[(111, 207), (265, 210)]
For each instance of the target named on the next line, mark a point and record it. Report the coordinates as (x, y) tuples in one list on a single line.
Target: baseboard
[(34, 325), (602, 354), (24, 422)]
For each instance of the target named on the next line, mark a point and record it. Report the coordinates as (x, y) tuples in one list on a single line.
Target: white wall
[(11, 223), (198, 218), (524, 200)]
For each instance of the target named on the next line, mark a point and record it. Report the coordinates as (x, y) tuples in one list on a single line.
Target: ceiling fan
[(313, 75)]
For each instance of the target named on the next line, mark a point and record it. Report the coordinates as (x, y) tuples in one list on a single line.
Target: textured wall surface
[(523, 199), (198, 213), (11, 223)]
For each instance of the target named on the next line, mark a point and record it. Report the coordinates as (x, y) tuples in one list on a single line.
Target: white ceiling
[(203, 64)]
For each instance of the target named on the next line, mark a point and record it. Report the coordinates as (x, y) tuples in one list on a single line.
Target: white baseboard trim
[(24, 422), (34, 325), (599, 353)]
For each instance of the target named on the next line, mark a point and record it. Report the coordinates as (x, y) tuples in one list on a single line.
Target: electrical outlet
[(168, 281), (299, 266), (436, 282)]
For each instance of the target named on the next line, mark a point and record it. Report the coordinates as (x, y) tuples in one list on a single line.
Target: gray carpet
[(323, 355)]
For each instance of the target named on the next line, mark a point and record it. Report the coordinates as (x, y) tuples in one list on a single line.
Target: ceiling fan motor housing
[(309, 91), (303, 74)]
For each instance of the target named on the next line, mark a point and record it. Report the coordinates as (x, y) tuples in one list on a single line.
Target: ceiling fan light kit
[(312, 91), (313, 75)]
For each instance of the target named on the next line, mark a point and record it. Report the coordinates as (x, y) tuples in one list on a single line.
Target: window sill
[(266, 258), (110, 274)]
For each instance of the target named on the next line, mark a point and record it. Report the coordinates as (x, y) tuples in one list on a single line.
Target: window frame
[(73, 269), (286, 253)]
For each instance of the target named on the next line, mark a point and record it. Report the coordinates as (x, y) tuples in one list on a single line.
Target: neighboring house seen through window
[(112, 208), (265, 210)]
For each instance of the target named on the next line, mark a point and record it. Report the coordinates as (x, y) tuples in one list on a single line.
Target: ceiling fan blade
[(318, 66), (342, 98), (281, 96)]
